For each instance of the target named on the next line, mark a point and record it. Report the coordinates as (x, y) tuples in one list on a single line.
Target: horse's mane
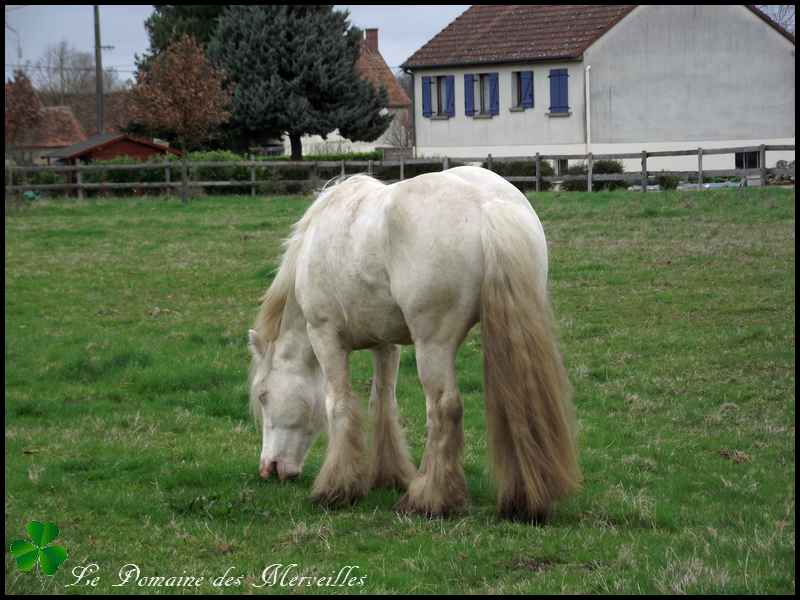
[(273, 302)]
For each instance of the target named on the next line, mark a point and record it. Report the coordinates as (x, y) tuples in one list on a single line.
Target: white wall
[(507, 129), (676, 73), (667, 77), (335, 143)]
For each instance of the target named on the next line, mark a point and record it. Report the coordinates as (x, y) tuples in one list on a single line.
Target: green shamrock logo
[(37, 550)]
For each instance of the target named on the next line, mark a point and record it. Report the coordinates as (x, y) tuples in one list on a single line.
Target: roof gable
[(371, 66)]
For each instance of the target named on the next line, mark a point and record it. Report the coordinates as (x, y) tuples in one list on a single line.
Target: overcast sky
[(402, 30)]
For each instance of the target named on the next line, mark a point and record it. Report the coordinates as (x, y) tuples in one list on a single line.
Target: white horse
[(417, 262)]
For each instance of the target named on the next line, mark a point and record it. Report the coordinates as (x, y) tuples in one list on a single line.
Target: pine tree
[(293, 70)]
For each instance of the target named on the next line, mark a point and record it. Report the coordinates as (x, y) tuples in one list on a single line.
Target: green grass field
[(126, 419)]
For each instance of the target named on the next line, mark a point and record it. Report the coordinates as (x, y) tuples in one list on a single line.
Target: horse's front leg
[(391, 466), (343, 476), (440, 487)]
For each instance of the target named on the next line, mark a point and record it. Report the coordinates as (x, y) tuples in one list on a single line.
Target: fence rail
[(184, 181)]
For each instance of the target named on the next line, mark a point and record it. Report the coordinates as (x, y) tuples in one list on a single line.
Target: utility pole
[(98, 60)]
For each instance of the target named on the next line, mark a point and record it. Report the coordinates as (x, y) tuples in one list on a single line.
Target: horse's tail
[(529, 412)]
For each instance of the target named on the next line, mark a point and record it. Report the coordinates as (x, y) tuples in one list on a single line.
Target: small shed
[(106, 146)]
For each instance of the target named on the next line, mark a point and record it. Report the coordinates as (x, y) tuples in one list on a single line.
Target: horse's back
[(433, 224), (399, 262)]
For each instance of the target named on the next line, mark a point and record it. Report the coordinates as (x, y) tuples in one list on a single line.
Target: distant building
[(372, 67), (58, 128), (107, 146), (514, 80)]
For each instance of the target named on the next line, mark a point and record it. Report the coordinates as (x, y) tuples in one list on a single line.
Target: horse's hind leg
[(391, 466), (342, 478), (440, 487)]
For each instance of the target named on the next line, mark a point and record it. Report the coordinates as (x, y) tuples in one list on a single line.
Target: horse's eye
[(262, 397)]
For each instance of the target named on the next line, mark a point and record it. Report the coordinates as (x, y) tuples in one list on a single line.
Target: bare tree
[(63, 71), (400, 134), (182, 92), (22, 112), (782, 14)]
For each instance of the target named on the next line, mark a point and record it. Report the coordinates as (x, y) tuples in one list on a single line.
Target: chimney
[(372, 39)]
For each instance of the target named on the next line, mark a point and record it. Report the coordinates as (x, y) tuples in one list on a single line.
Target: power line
[(44, 68)]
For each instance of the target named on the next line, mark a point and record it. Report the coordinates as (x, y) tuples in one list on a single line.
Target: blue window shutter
[(469, 95), (426, 97), (450, 93), (494, 94), (559, 90), (526, 81)]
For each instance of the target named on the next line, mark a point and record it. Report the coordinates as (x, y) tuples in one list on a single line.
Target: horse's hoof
[(537, 517), (337, 498), (406, 505)]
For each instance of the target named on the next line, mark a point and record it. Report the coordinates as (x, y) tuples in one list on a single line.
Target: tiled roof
[(57, 128), (490, 33), (373, 68), (493, 33)]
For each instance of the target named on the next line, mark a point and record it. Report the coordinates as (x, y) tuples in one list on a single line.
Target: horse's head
[(287, 397)]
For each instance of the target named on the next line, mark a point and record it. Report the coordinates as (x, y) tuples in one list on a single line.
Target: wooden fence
[(640, 178)]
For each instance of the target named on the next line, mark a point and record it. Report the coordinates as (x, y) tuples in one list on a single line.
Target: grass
[(126, 405)]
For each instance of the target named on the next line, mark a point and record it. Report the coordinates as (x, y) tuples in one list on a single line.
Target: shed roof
[(100, 141), (493, 33)]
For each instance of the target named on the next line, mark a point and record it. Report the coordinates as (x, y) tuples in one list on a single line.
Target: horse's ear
[(255, 344)]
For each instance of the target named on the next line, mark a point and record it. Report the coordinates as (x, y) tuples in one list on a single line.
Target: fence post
[(79, 181), (538, 173), (252, 176), (445, 163), (589, 166), (489, 162), (10, 183), (184, 179), (402, 169), (699, 168), (168, 178), (369, 167), (644, 171), (341, 170), (762, 159)]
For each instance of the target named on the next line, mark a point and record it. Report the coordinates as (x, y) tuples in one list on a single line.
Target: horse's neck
[(293, 339)]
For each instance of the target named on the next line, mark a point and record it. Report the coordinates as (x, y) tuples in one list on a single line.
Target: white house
[(572, 79)]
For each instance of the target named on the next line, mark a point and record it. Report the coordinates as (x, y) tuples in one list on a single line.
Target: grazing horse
[(417, 262)]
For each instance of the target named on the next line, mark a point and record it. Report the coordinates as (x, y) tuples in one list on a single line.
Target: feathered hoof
[(523, 514), (408, 506), (338, 497), (392, 481)]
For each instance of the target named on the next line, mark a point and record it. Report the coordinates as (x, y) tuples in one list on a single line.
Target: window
[(748, 160), (559, 92), (522, 89), (481, 94), (438, 96), (562, 166)]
